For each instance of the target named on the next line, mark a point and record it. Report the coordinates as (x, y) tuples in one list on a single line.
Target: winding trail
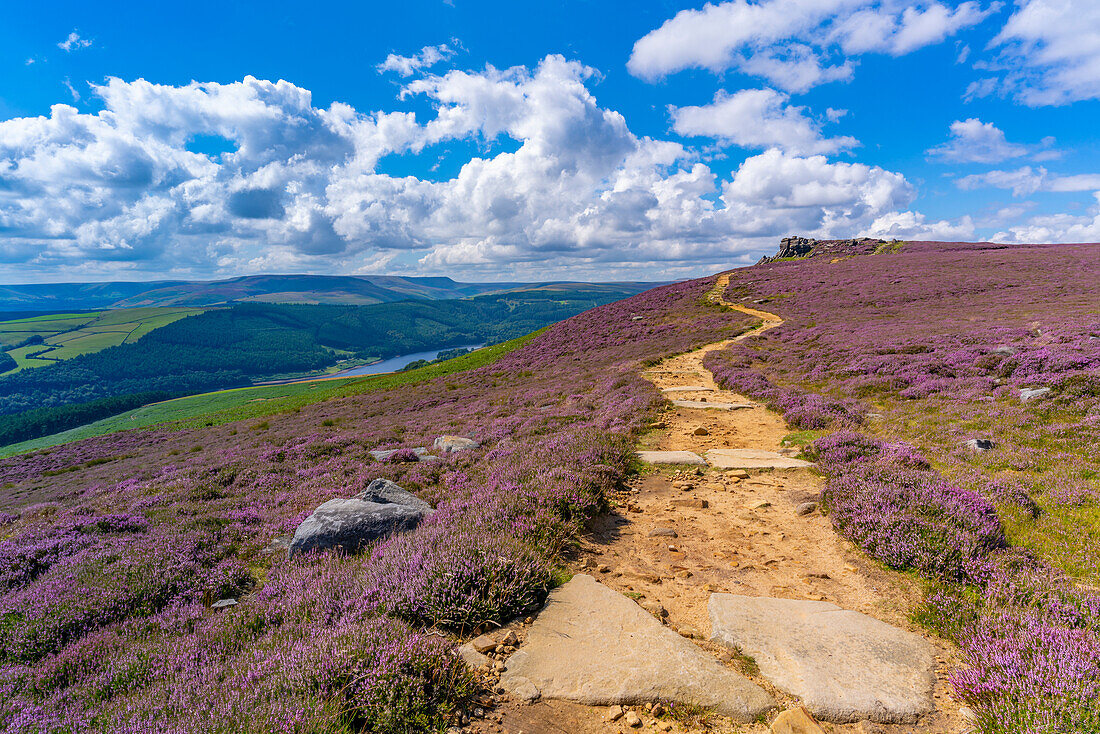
[(679, 534)]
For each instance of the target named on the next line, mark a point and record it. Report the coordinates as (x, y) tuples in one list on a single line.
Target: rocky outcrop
[(349, 525), (806, 247)]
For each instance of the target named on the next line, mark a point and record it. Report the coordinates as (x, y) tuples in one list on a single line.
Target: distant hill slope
[(315, 289)]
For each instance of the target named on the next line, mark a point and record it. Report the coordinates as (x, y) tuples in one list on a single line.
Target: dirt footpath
[(680, 534)]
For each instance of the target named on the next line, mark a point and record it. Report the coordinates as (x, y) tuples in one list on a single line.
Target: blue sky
[(567, 139)]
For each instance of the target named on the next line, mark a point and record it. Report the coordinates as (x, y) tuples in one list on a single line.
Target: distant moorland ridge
[(360, 290)]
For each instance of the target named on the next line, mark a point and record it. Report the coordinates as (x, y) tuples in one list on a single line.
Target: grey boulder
[(845, 666), (454, 444), (1030, 393), (383, 454), (349, 525), (980, 445), (385, 492)]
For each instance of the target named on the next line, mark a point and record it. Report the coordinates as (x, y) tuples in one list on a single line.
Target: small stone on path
[(632, 720), (656, 609), (845, 666), (796, 721), (700, 431), (615, 713), (806, 508), (525, 690), (593, 645), (662, 533), (473, 659), (753, 459), (486, 643), (671, 457)]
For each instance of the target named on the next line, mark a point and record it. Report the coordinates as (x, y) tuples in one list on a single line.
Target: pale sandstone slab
[(712, 406), (593, 645), (671, 457), (688, 388), (845, 666), (753, 459)]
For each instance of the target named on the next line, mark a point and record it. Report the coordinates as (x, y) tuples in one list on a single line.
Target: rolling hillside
[(146, 582), (310, 289)]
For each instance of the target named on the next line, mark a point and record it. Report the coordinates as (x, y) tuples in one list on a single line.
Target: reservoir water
[(393, 364)]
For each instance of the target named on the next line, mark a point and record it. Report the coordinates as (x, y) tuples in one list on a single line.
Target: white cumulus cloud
[(428, 57), (796, 44), (74, 42), (135, 188), (757, 118), (1050, 53), (1056, 228), (1026, 180), (974, 141)]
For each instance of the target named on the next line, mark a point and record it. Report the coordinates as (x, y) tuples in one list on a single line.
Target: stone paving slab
[(845, 666), (671, 457), (753, 459), (712, 406), (688, 388), (592, 645)]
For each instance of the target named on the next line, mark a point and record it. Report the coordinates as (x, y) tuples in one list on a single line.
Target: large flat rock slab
[(845, 666), (688, 388), (711, 406), (753, 459), (671, 457), (593, 645)]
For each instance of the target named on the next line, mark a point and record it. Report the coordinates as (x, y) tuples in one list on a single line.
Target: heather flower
[(462, 578)]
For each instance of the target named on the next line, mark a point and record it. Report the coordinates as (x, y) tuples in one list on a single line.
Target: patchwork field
[(58, 337)]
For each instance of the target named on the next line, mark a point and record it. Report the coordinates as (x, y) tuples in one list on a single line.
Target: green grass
[(69, 335), (247, 403), (801, 438), (1066, 535)]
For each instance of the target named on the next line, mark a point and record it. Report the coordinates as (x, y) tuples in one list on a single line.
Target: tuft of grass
[(746, 663), (801, 438), (690, 715)]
